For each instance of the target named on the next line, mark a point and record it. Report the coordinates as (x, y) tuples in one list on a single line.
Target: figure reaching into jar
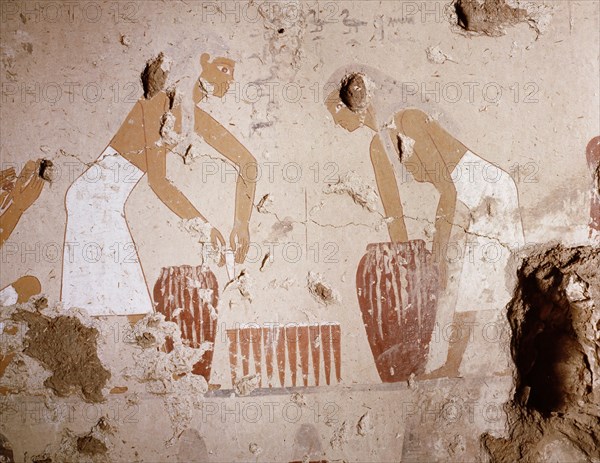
[(94, 276), (400, 282), (188, 295)]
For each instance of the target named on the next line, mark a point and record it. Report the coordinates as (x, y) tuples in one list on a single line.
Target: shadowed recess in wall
[(490, 17), (6, 452), (554, 319)]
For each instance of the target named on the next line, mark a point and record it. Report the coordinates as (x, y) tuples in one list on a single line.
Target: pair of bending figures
[(399, 283)]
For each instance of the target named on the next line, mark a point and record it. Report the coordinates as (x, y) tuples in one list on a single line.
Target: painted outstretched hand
[(239, 241), (28, 186), (18, 195), (218, 245)]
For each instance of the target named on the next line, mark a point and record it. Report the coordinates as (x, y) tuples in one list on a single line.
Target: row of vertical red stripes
[(320, 341)]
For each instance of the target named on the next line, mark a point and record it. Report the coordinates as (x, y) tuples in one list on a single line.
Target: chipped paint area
[(352, 184)]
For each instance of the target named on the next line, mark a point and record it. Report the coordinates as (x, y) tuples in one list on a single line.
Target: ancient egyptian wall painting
[(399, 283), (95, 213), (140, 147), (308, 238)]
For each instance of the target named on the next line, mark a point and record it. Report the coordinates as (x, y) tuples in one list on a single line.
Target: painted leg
[(457, 346)]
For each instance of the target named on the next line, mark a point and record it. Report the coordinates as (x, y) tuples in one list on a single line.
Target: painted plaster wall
[(527, 103)]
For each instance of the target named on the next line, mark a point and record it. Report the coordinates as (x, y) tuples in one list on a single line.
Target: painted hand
[(27, 187), (240, 241), (218, 244)]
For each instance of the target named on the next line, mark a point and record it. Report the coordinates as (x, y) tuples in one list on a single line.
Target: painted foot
[(445, 371)]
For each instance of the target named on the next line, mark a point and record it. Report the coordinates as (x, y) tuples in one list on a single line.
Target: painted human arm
[(170, 195), (431, 140), (444, 219), (225, 143), (388, 191), (26, 191)]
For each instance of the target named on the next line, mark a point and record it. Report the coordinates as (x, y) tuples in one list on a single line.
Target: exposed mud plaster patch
[(322, 291), (41, 459), (355, 92), (244, 386), (89, 445), (5, 361), (354, 186), (491, 17), (92, 447), (554, 319), (68, 349), (168, 375), (154, 76), (10, 330)]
